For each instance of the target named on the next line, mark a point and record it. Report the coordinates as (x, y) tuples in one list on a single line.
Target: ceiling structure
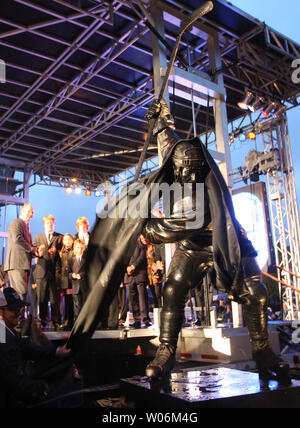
[(79, 79)]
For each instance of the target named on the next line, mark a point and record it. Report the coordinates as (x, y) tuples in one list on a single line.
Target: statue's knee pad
[(174, 293), (258, 294), (170, 290)]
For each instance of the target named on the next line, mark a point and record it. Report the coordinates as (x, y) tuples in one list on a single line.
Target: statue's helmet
[(189, 162)]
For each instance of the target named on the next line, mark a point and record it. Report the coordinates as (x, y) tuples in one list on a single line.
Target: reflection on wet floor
[(211, 384)]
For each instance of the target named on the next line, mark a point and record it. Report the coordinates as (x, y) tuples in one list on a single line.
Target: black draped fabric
[(113, 241), (111, 245)]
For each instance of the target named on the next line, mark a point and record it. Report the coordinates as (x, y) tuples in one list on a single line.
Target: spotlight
[(254, 106), (231, 139), (74, 180), (242, 137), (244, 105), (251, 135), (69, 190), (88, 192), (78, 190), (98, 191), (266, 112), (252, 165), (261, 163)]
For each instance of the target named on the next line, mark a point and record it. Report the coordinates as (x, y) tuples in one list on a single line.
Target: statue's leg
[(174, 295), (185, 269), (255, 309)]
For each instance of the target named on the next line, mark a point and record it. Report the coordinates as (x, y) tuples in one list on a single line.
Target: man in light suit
[(20, 251), (47, 271)]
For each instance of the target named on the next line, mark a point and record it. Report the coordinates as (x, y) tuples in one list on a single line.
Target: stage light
[(78, 190), (266, 112), (98, 191), (88, 192), (254, 106), (74, 180), (251, 135), (244, 105), (242, 137), (261, 163), (69, 190), (231, 139)]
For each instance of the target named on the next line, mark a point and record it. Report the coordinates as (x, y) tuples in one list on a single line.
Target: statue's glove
[(153, 111), (159, 111)]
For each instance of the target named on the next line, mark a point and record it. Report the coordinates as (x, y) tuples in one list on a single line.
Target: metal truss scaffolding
[(284, 214), (79, 78)]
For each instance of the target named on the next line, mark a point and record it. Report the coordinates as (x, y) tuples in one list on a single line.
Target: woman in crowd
[(155, 268)]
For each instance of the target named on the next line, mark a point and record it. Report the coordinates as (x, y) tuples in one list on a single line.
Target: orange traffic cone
[(138, 350)]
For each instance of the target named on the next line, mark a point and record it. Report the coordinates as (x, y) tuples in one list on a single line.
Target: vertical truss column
[(284, 214), (159, 59), (220, 111)]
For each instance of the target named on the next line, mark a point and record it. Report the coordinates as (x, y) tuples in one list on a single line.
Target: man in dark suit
[(33, 291), (77, 275), (20, 251), (137, 286), (47, 271)]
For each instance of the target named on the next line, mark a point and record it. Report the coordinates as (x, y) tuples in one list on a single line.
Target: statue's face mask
[(189, 163)]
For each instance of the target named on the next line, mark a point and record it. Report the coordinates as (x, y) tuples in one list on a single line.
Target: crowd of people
[(49, 270)]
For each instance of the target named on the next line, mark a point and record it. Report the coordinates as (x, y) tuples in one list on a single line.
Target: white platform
[(220, 345), (107, 334), (213, 345)]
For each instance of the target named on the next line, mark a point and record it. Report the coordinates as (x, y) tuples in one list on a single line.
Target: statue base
[(218, 387)]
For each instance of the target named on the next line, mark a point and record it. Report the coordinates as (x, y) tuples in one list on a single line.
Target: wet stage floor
[(219, 387)]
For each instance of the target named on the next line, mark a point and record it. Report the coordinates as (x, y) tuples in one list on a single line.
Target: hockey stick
[(185, 25), (151, 27)]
